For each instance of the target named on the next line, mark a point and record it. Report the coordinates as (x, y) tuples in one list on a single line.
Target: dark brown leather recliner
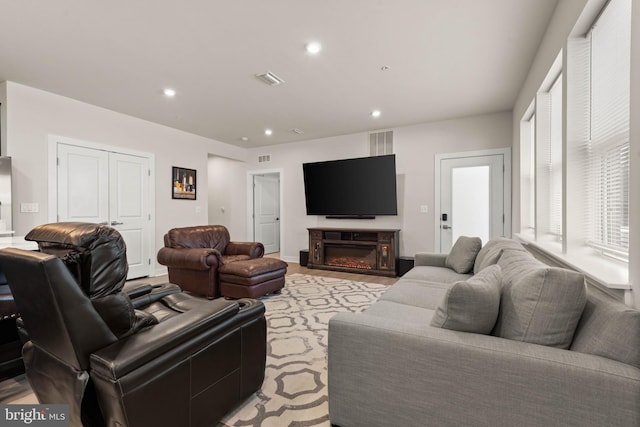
[(175, 360), (10, 345), (193, 254)]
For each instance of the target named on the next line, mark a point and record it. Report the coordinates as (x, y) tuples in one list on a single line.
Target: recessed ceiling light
[(268, 132), (169, 92), (245, 138), (375, 113), (313, 47)]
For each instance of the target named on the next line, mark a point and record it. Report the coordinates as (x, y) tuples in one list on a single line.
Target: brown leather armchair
[(152, 356), (193, 254)]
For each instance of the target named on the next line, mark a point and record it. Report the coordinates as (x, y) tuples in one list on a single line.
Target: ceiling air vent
[(269, 78), (264, 158), (381, 143), (297, 131)]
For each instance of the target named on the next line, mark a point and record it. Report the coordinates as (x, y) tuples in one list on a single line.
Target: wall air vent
[(269, 78), (381, 143), (264, 158)]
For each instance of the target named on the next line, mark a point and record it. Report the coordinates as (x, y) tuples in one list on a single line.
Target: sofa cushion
[(417, 293), (491, 251), (395, 311), (542, 307), (434, 274), (463, 254), (609, 329), (472, 305)]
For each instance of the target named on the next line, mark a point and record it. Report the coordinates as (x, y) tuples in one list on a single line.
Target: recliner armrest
[(123, 356), (145, 294), (430, 259), (135, 290), (253, 249), (191, 258)]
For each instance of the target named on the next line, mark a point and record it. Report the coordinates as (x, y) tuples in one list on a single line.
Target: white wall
[(33, 115), (227, 204), (415, 148)]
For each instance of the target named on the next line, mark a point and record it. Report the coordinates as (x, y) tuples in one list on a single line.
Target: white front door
[(266, 205), (107, 188), (472, 198)]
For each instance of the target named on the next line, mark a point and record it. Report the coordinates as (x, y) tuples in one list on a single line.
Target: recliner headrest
[(95, 254)]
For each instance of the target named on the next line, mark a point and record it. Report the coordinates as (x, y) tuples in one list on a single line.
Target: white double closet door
[(110, 188)]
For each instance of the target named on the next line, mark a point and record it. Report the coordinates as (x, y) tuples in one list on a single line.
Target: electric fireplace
[(354, 250)]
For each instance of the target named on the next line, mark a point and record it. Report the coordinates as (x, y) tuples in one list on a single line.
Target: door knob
[(116, 223), (445, 227), (103, 223)]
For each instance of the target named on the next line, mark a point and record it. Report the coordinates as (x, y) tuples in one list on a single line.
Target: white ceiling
[(447, 59)]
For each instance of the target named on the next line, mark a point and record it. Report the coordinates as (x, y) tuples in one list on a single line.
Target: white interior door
[(129, 208), (266, 205), (83, 184), (472, 198), (108, 188)]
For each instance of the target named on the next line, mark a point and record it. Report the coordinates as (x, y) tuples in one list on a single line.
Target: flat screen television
[(351, 188)]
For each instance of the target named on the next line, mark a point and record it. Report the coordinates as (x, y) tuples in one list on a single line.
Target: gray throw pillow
[(609, 329), (472, 305), (542, 307), (463, 254)]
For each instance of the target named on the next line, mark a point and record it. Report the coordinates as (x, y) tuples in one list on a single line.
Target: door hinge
[(149, 217), (149, 261), (503, 218), (57, 161), (149, 172)]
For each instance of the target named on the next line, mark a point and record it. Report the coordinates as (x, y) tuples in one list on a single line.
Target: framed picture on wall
[(183, 183)]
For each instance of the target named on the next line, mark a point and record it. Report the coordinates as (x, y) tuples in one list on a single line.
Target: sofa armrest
[(431, 259), (192, 258), (253, 249), (387, 372)]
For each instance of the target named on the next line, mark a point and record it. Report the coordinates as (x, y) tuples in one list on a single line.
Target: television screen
[(361, 187)]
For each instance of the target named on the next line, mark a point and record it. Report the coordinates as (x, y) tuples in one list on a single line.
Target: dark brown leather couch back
[(95, 254)]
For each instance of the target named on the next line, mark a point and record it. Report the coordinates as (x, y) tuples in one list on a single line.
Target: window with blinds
[(548, 148), (607, 148)]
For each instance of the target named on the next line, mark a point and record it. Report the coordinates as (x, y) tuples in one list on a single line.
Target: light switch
[(29, 207), (424, 209)]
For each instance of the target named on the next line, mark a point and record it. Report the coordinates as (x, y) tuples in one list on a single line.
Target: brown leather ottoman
[(252, 278)]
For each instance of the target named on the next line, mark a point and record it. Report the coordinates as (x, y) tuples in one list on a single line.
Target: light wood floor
[(18, 391), (294, 267)]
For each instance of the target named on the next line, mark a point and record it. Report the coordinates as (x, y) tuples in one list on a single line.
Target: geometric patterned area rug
[(294, 392)]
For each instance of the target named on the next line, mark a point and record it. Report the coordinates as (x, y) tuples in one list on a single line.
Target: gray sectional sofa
[(503, 341)]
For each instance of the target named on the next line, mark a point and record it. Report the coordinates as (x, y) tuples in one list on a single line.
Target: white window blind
[(608, 146), (555, 160), (527, 174), (549, 180)]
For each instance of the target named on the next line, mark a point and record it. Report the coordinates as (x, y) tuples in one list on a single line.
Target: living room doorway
[(473, 196)]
